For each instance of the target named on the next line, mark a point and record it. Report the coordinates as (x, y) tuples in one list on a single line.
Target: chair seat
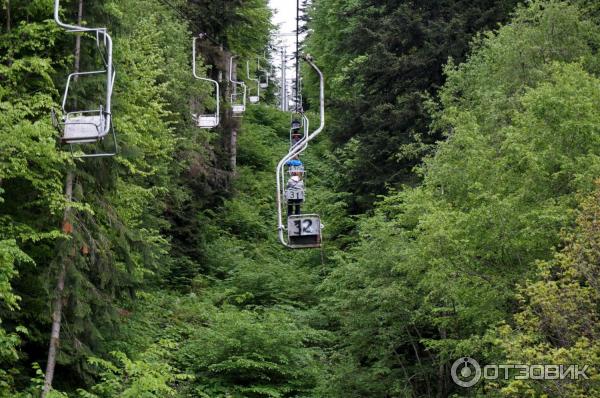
[(264, 85), (253, 99), (207, 121), (238, 108), (83, 129)]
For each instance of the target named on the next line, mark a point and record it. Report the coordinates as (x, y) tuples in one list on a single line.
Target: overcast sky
[(285, 14), (285, 18)]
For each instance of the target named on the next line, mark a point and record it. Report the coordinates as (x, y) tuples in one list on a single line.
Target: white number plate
[(304, 226), (294, 195)]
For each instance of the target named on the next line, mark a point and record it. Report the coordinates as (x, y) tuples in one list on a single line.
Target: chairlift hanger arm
[(194, 71), (69, 27), (248, 73), (231, 71), (216, 84), (309, 59)]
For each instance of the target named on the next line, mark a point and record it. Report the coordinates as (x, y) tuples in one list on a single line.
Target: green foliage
[(250, 31), (176, 284), (9, 255), (246, 354), (381, 59), (496, 194), (118, 240), (558, 318), (243, 27), (30, 175), (148, 376)]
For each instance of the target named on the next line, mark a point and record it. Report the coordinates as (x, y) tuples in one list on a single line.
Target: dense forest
[(457, 180)]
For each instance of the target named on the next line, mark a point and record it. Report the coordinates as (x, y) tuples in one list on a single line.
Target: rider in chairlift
[(295, 165), (296, 135), (294, 192)]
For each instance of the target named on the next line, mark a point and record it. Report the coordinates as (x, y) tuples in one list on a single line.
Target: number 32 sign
[(304, 225)]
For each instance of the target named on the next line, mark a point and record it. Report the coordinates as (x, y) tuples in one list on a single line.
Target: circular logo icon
[(465, 372)]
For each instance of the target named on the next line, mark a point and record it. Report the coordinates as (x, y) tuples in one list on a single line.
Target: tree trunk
[(67, 228), (221, 61), (442, 382), (8, 27), (78, 38), (233, 125), (233, 150), (58, 301)]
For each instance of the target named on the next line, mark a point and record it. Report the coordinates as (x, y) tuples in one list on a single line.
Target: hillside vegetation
[(458, 181)]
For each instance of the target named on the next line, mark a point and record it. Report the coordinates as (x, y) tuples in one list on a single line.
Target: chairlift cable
[(298, 105)]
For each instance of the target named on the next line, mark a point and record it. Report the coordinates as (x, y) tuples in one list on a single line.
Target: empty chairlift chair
[(264, 83), (210, 120), (254, 99), (238, 98), (263, 78), (81, 123)]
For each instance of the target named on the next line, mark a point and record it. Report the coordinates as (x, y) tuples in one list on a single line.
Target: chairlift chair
[(238, 99), (299, 122), (262, 83), (254, 99), (86, 126), (238, 103), (210, 120), (304, 231)]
